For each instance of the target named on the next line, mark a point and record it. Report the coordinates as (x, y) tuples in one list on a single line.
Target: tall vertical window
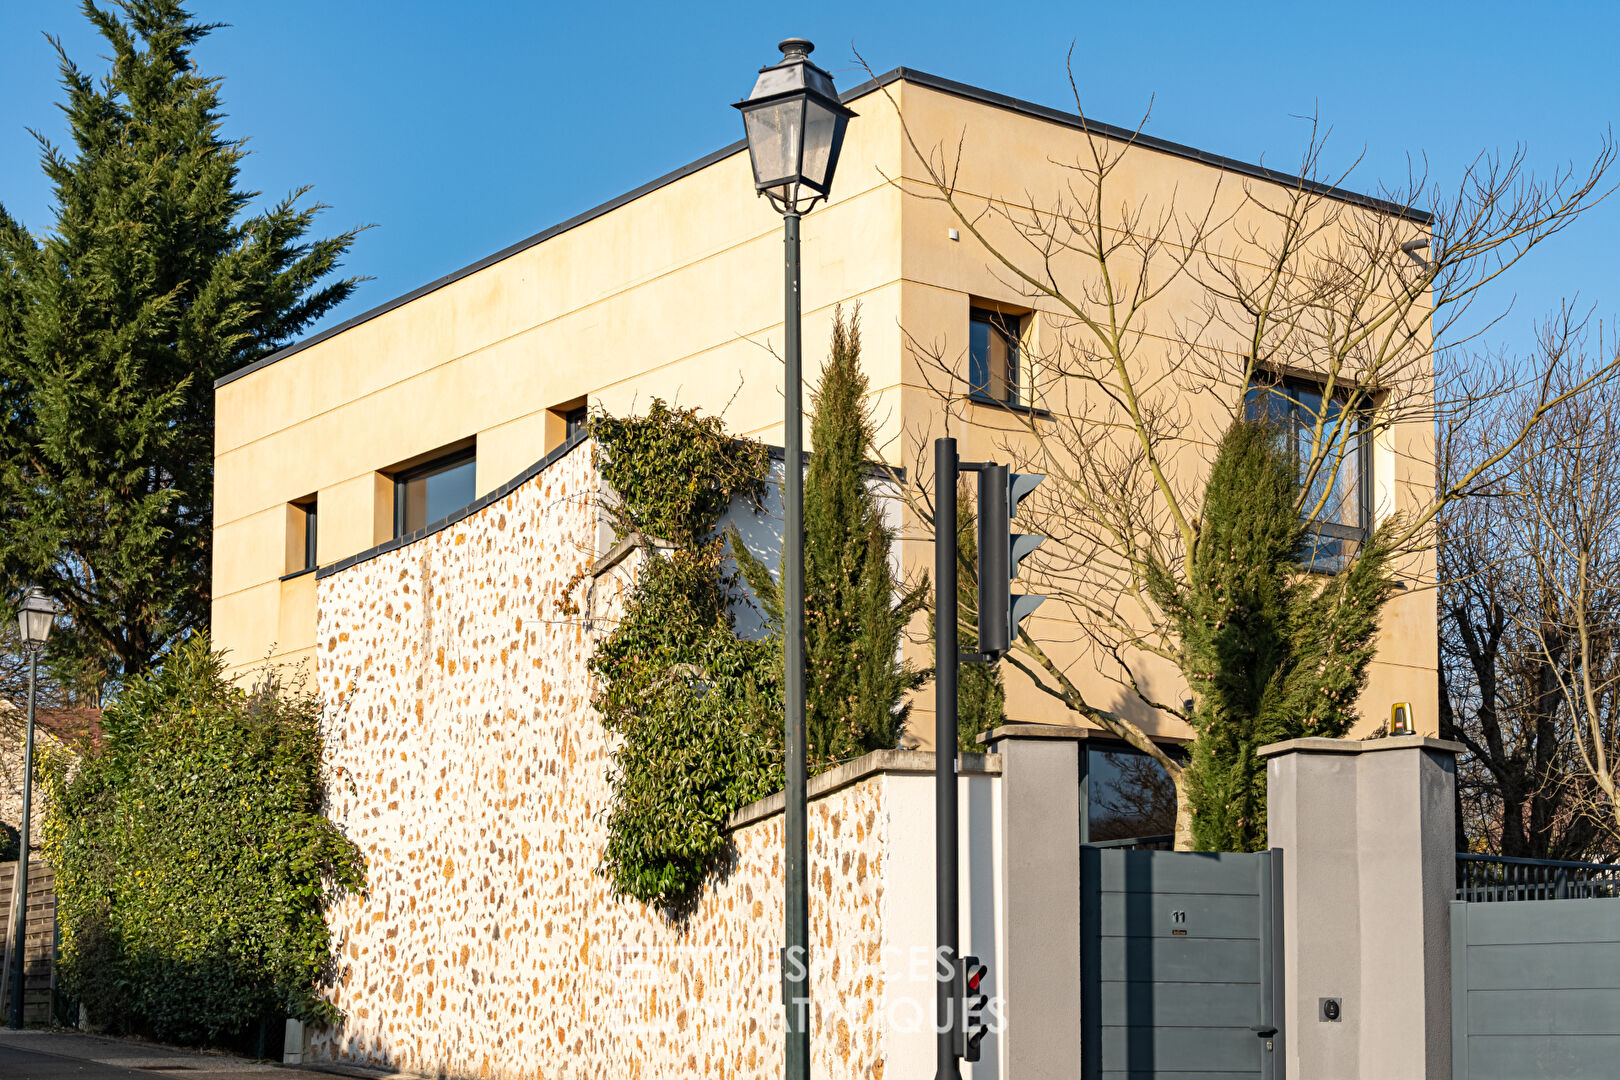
[(433, 491), (301, 535), (1342, 484), (993, 356), (311, 518)]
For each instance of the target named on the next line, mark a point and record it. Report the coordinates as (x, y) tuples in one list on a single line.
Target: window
[(576, 421), (1343, 482), (993, 356), (301, 535), (310, 519), (433, 491), (1128, 795)]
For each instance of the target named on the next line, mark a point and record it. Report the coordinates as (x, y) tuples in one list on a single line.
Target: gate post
[(1040, 844), (1368, 832)]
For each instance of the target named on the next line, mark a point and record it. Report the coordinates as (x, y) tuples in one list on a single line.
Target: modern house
[(404, 501), (372, 429)]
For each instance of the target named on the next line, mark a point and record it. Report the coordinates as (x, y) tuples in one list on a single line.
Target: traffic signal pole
[(959, 979), (946, 470)]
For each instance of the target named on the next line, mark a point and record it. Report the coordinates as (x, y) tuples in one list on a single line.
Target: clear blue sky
[(459, 128)]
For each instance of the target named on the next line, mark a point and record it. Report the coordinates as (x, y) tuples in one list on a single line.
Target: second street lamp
[(795, 126), (34, 618)]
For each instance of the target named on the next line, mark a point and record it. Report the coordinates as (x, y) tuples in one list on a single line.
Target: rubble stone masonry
[(466, 761)]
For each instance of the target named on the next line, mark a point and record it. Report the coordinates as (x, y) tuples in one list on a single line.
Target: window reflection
[(1129, 795)]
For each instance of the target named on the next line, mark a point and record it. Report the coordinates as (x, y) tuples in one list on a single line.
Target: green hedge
[(193, 859)]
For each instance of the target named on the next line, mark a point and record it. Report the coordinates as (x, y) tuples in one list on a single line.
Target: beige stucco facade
[(676, 292)]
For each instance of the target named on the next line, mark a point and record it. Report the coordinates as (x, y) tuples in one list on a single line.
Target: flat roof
[(911, 75)]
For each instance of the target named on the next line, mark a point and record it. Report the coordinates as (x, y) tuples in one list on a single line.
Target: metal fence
[(1499, 878), (1139, 843)]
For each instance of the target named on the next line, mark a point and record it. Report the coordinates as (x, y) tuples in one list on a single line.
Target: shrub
[(193, 860)]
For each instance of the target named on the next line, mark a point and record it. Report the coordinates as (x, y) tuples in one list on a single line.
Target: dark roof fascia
[(920, 78), (465, 512)]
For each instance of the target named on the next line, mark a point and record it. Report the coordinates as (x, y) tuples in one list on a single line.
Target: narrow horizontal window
[(433, 491)]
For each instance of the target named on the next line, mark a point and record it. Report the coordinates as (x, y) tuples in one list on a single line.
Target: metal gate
[(1182, 965), (1535, 970)]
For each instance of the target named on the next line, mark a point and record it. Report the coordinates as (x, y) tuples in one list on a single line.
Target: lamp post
[(795, 127), (34, 618)]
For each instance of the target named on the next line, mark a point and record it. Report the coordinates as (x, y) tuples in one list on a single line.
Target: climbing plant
[(696, 708)]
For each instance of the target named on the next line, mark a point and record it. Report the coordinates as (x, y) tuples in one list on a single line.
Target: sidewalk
[(50, 1054)]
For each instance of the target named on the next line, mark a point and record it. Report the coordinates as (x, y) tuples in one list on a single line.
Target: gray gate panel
[(1182, 1050), (1525, 1057), (1546, 922), (1177, 966), (1204, 916), (1543, 967), (1178, 871), (1535, 990), (1192, 960), (1180, 1004), (1544, 1012)]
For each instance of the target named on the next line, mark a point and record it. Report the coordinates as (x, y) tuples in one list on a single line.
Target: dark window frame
[(1106, 745), (1290, 383), (575, 420), (443, 463), (311, 526), (1010, 327)]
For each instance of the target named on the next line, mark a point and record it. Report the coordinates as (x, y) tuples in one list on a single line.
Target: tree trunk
[(1184, 835)]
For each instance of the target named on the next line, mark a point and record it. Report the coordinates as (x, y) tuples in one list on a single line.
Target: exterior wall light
[(1400, 718)]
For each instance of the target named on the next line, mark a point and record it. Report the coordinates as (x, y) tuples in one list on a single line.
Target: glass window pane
[(309, 537), (820, 129), (978, 357), (774, 140), (433, 493), (1129, 795)]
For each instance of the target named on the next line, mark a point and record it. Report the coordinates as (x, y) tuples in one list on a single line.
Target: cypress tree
[(1270, 650), (154, 280), (855, 680)]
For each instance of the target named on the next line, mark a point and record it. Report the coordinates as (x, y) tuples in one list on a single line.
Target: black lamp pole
[(795, 126), (34, 617), (796, 903)]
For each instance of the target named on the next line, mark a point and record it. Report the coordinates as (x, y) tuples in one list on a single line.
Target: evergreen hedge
[(194, 862)]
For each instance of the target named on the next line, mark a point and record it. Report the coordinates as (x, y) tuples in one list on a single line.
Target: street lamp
[(795, 126), (35, 617)]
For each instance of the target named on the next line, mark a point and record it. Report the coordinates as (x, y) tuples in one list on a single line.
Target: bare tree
[(1531, 616), (1161, 317)]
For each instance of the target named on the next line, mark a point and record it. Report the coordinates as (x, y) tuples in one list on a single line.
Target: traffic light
[(971, 1001), (1000, 552)]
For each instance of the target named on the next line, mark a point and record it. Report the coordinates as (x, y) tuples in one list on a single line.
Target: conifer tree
[(155, 279), (1272, 651), (855, 613)]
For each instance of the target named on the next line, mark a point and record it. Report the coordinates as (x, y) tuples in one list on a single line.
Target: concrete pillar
[(1367, 831), (1040, 829)]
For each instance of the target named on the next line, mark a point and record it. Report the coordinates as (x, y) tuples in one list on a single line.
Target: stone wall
[(468, 764), (13, 727)]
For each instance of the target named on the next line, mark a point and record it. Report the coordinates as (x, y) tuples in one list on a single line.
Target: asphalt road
[(25, 1065), (40, 1055)]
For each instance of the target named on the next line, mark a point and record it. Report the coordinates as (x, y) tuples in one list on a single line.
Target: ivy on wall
[(697, 708), (194, 861)]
